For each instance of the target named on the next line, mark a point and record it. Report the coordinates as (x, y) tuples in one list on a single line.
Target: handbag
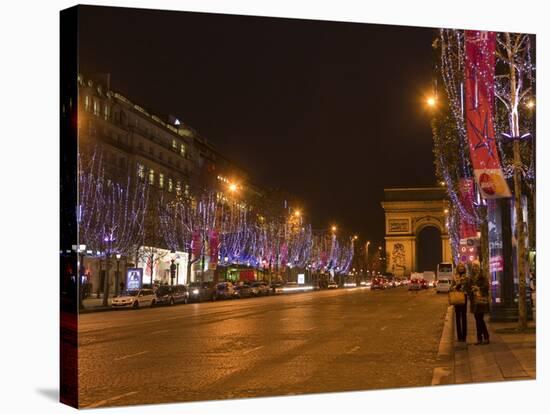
[(457, 298)]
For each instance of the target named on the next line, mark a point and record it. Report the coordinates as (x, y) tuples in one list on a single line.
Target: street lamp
[(81, 251), (117, 277), (233, 187), (334, 228), (431, 101)]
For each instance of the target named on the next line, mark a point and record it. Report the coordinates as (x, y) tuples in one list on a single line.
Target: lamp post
[(117, 276), (81, 252)]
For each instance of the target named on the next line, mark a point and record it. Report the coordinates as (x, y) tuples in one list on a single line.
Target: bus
[(445, 271)]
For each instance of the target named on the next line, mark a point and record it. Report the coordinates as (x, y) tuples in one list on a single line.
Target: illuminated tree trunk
[(515, 88)]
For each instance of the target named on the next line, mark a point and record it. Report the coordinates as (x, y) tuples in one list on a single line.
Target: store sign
[(398, 225), (301, 278), (496, 264), (134, 278)]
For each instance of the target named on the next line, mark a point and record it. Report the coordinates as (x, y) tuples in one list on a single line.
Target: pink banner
[(214, 243), (479, 103), (196, 244)]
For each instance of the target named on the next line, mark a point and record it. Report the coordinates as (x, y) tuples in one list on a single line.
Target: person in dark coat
[(480, 302), (461, 283)]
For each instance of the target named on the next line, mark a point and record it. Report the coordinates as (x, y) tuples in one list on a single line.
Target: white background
[(29, 146)]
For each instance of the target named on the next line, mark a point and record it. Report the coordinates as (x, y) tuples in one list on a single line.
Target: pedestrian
[(461, 284), (479, 302)]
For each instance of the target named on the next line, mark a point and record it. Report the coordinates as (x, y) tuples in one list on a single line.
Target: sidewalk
[(93, 304), (509, 356)]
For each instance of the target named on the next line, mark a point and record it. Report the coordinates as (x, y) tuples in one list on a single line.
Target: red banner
[(214, 243), (468, 228), (479, 103), (196, 244)]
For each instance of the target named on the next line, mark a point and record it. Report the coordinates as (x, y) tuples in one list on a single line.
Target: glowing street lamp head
[(355, 237), (233, 187), (297, 213), (431, 101), (530, 104), (334, 228)]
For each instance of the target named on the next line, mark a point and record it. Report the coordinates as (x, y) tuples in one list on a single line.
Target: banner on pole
[(214, 243), (480, 76), (196, 244)]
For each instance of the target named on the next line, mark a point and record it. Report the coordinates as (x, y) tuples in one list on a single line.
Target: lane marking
[(161, 331), (103, 402), (130, 356), (354, 349), (251, 350)]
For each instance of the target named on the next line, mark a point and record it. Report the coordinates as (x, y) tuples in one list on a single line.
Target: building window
[(182, 150), (151, 151), (160, 156), (152, 177), (170, 185), (161, 180), (140, 170), (187, 190), (174, 144), (96, 107), (87, 103), (106, 112), (122, 162), (178, 187)]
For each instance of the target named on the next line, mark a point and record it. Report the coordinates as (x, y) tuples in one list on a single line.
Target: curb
[(444, 373)]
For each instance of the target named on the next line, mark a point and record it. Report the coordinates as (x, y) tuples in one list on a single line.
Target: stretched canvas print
[(256, 206)]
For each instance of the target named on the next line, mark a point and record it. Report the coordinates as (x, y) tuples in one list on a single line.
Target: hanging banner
[(214, 243), (196, 244), (479, 77), (467, 228)]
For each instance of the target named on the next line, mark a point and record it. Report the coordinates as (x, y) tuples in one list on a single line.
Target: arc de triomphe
[(408, 211)]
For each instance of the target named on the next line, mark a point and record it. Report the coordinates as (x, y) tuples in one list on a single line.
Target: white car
[(443, 286), (134, 299), (332, 285)]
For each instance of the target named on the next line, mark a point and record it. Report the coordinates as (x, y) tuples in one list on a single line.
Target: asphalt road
[(326, 341)]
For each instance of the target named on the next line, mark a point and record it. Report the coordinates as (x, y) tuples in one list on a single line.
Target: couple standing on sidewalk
[(475, 289)]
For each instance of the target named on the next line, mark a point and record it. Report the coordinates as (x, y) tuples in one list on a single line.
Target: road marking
[(173, 317), (251, 350), (161, 331), (103, 402), (354, 349), (130, 356)]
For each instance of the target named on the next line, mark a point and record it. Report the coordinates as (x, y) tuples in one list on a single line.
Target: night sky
[(331, 112)]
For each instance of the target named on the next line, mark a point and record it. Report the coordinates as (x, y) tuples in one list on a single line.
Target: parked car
[(443, 286), (225, 290), (170, 295), (332, 285), (260, 288), (243, 291), (424, 284), (134, 299), (200, 291)]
